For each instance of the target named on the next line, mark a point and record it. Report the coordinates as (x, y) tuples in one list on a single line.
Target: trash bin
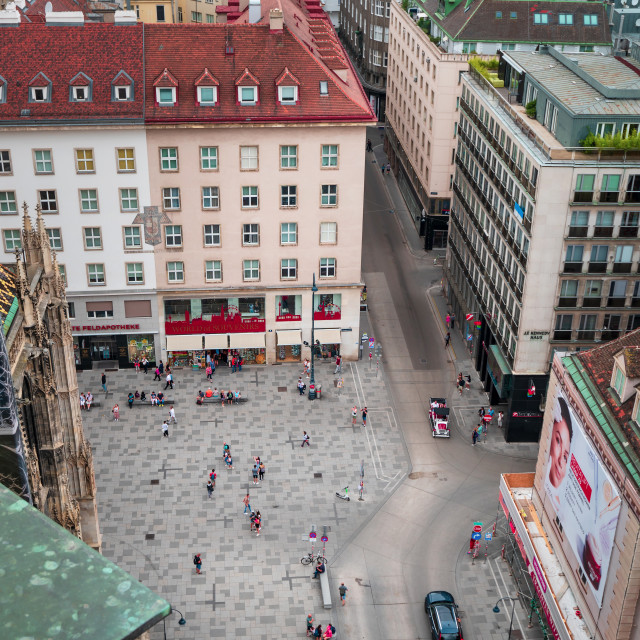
[(318, 391)]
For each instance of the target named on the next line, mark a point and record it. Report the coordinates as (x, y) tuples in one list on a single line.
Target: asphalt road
[(414, 542)]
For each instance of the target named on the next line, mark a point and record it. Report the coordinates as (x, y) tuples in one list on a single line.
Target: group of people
[(225, 396), (354, 415), (86, 400), (144, 363), (486, 418), (255, 517), (316, 632), (463, 382)]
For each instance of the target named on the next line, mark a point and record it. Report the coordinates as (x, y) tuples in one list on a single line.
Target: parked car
[(443, 616)]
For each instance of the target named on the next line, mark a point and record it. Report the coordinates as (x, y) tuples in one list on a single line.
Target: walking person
[(309, 624), (145, 364), (169, 381), (343, 593), (338, 364), (116, 413), (475, 435), (165, 429), (197, 560), (210, 488), (305, 439), (258, 523), (447, 340), (254, 472), (453, 320), (301, 386), (461, 384), (161, 367), (354, 415), (447, 320), (104, 383), (500, 419), (209, 372), (89, 400), (383, 167), (364, 417), (361, 490), (172, 415), (261, 470), (157, 374), (247, 504)]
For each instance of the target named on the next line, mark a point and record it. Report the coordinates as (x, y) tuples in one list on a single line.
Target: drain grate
[(150, 536), (317, 475), (282, 389), (155, 482)]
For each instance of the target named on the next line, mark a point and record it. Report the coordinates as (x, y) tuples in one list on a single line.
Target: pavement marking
[(507, 595), (290, 579), (213, 600), (165, 469), (226, 521)]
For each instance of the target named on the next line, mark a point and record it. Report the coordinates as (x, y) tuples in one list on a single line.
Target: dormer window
[(288, 95), (635, 415), (208, 96), (247, 95), (3, 90), (80, 94), (40, 89), (122, 93), (80, 88), (166, 96), (122, 88), (618, 380), (38, 94)]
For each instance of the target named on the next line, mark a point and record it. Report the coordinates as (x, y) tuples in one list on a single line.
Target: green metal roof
[(56, 587), (603, 416)]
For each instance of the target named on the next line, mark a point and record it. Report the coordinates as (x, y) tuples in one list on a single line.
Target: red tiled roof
[(247, 79), (80, 80), (101, 51), (165, 79), (287, 77), (206, 80)]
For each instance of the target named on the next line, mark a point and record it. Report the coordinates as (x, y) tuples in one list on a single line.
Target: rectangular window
[(249, 197), (5, 162), (159, 13), (175, 271), (251, 269), (624, 253), (563, 327), (211, 235), (288, 268), (48, 201), (633, 189), (288, 196), (569, 289), (126, 160), (574, 253), (99, 309), (213, 270), (540, 18), (329, 156), (135, 273), (171, 198), (565, 19), (605, 129), (8, 202), (469, 47), (209, 158), (89, 200), (327, 267), (12, 239), (593, 289), (288, 157), (168, 159), (84, 161), (196, 16), (248, 158), (584, 188), (207, 96), (610, 188), (599, 252), (250, 234), (43, 161), (627, 129), (604, 224), (288, 233), (71, 307), (329, 195), (210, 198), (328, 232), (248, 95), (166, 96), (173, 236), (288, 95), (95, 274), (591, 20), (92, 238), (129, 199), (132, 238)]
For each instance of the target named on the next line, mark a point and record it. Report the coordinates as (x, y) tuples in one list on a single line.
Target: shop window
[(288, 308), (141, 346), (137, 309), (327, 306)]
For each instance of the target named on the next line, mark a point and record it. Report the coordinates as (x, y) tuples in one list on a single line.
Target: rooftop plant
[(488, 69), (612, 141)]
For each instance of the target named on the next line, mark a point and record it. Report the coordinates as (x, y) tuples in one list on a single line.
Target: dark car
[(443, 616)]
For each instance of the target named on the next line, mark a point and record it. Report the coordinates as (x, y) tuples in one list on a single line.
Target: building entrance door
[(104, 349)]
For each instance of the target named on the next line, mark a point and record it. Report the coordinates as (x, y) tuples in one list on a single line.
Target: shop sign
[(536, 335), (105, 327), (526, 414), (288, 317), (229, 321)]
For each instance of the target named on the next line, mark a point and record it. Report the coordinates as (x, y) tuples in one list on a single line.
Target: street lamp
[(181, 622), (496, 609), (312, 381)]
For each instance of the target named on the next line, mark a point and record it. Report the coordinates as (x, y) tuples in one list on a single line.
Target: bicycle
[(310, 558), (344, 495)]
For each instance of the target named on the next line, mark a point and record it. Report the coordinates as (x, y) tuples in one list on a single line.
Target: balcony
[(609, 334), (583, 196), (622, 267), (632, 196), (568, 302), (578, 232), (603, 232), (616, 301), (562, 335), (593, 302), (628, 232), (572, 267), (635, 302), (586, 334), (597, 267), (609, 196)]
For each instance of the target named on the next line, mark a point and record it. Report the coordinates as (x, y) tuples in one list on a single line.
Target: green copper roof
[(53, 586), (607, 422)]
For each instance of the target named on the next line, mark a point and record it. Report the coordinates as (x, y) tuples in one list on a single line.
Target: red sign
[(580, 477), (229, 322), (288, 317), (105, 327), (469, 316)]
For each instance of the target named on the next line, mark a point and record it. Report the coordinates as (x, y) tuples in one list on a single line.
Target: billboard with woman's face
[(583, 496)]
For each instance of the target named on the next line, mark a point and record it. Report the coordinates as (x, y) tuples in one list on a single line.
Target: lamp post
[(496, 609), (181, 622), (312, 381)]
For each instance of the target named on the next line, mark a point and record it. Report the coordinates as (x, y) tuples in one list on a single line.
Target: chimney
[(125, 17), (10, 16), (276, 20), (64, 18), (255, 11)]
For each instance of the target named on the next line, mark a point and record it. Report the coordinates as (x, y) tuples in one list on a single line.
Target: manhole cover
[(317, 475), (282, 389), (155, 482), (150, 536)]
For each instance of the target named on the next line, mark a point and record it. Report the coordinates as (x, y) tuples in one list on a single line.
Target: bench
[(96, 403), (218, 400), (326, 592), (147, 403)]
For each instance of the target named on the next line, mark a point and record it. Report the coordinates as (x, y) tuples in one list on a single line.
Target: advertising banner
[(583, 496)]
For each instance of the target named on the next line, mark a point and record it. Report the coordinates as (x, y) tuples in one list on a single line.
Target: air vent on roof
[(228, 49)]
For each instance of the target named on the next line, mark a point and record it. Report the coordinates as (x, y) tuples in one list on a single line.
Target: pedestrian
[(490, 413), (165, 429), (197, 560), (157, 374), (212, 477), (447, 340), (169, 381), (318, 632), (136, 365), (388, 168), (475, 435), (481, 413), (309, 624), (364, 417), (116, 413), (104, 382), (172, 415), (261, 470), (338, 364), (209, 372), (328, 632), (145, 364), (160, 398), (258, 523), (234, 364), (305, 439), (301, 386), (254, 472), (225, 449), (247, 504), (453, 320), (369, 147), (354, 414), (361, 490), (461, 384), (383, 167), (468, 378), (240, 363), (130, 399), (447, 320), (161, 368), (89, 400), (228, 460), (343, 593), (83, 401), (500, 418), (210, 488)]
